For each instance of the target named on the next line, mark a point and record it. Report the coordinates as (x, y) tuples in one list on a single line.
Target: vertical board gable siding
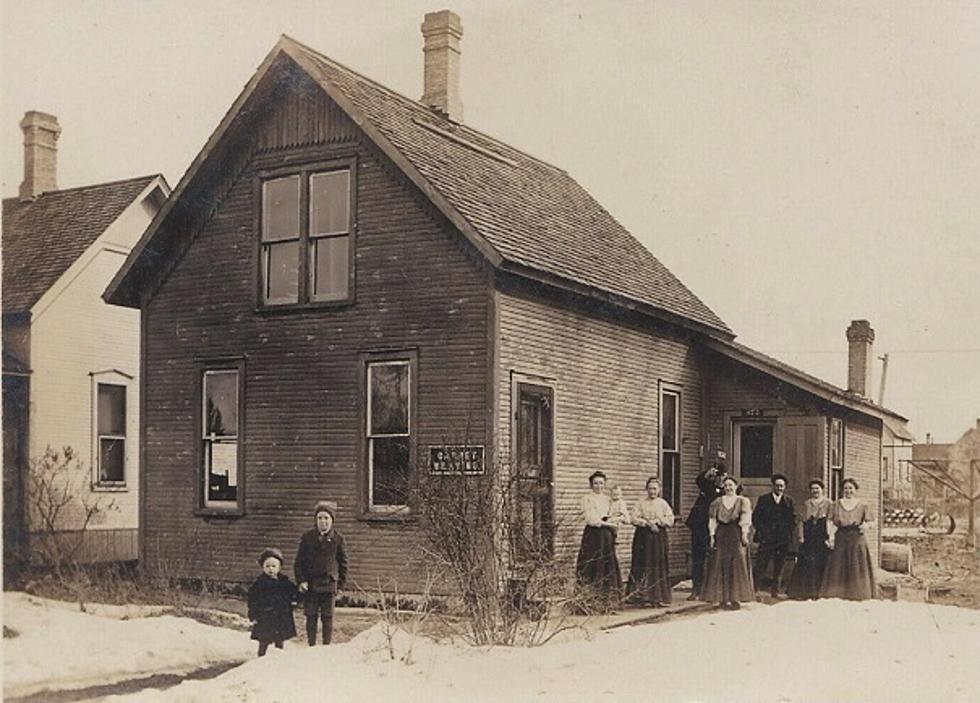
[(605, 377), (415, 289)]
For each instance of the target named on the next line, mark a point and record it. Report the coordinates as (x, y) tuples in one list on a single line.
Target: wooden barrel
[(896, 557)]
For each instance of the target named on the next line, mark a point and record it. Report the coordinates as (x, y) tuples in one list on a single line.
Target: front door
[(533, 531)]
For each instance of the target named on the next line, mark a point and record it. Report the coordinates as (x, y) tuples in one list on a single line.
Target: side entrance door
[(799, 453), (533, 488)]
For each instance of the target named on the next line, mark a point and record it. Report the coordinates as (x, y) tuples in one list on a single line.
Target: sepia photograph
[(554, 350)]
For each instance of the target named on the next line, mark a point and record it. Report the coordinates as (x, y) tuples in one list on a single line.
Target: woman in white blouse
[(727, 578), (649, 580), (597, 567)]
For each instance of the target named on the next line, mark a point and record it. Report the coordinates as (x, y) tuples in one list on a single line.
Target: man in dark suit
[(773, 519)]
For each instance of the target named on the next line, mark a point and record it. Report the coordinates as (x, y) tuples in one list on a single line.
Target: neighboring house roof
[(898, 428), (931, 451), (44, 236), (526, 216), (800, 379)]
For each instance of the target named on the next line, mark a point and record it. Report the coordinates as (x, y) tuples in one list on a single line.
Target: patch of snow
[(828, 650), (59, 647)]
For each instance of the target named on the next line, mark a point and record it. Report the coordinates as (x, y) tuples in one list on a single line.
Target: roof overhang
[(799, 379)]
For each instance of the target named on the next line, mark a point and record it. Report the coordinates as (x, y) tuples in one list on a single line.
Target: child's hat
[(270, 552), (325, 506)]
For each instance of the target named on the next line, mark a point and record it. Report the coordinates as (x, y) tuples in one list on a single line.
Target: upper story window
[(307, 237), (111, 425)]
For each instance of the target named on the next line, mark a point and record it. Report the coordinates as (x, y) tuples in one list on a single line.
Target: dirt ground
[(947, 566)]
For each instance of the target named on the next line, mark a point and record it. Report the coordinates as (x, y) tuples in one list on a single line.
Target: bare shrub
[(61, 508), (478, 533)]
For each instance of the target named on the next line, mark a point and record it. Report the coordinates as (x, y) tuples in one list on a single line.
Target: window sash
[(392, 497), (324, 220), (287, 286), (120, 454), (215, 494), (291, 228), (671, 478), (330, 282), (836, 443), (670, 420)]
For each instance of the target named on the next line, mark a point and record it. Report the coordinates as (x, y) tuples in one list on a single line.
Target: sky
[(797, 165)]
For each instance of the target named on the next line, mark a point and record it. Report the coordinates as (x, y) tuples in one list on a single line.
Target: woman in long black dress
[(649, 580), (849, 573), (727, 577), (597, 567), (812, 559)]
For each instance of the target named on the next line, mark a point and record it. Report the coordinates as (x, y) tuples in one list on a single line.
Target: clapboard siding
[(416, 288), (862, 462), (605, 375)]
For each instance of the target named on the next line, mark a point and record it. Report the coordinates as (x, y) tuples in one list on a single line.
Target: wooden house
[(346, 278), (71, 361)]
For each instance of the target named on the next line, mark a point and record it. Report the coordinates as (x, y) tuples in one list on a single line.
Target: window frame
[(740, 423), (109, 377), (836, 471), (202, 505), (674, 496), (369, 511), (305, 298)]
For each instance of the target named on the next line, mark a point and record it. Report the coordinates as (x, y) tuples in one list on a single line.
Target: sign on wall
[(456, 459)]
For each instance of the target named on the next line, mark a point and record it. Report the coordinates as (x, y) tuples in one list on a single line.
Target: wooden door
[(799, 453), (533, 530)]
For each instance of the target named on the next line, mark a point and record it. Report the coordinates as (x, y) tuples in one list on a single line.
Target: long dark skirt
[(811, 562), (727, 576), (649, 579), (597, 566), (849, 573)]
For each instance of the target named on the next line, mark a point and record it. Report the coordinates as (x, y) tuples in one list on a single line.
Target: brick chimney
[(41, 132), (442, 31), (859, 339)]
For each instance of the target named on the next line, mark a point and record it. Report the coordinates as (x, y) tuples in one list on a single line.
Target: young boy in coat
[(270, 603), (321, 570)]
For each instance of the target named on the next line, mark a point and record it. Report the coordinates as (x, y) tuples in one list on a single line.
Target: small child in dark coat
[(270, 603)]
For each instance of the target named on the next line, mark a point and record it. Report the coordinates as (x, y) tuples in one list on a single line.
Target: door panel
[(533, 526), (799, 452)]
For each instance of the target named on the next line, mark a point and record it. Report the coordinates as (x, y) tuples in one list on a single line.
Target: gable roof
[(523, 214), (43, 237), (800, 379)]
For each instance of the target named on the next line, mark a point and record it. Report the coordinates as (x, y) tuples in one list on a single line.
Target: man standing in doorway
[(773, 519)]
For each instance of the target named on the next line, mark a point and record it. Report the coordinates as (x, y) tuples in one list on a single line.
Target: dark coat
[(774, 524), (708, 490), (270, 606), (321, 561)]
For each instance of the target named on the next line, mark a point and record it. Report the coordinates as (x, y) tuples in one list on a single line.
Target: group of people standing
[(832, 559), (598, 566)]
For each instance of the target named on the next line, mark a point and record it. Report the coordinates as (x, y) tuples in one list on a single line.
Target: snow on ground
[(59, 647), (823, 651)]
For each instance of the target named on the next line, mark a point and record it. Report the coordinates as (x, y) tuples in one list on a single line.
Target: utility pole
[(884, 373)]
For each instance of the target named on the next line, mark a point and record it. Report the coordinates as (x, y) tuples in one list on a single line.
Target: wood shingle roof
[(526, 216), (44, 236)]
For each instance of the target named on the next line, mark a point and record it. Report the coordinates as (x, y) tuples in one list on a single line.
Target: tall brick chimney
[(859, 339), (442, 31), (41, 132)]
